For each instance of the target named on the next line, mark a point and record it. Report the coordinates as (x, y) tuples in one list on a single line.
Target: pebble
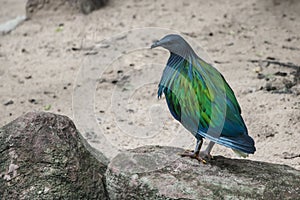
[(257, 69), (32, 101), (9, 103)]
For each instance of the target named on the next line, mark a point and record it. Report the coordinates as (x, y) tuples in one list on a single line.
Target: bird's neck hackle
[(183, 50)]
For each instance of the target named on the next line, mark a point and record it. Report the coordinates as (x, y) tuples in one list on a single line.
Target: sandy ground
[(42, 59)]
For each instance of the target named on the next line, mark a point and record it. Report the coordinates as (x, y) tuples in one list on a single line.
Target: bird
[(199, 97)]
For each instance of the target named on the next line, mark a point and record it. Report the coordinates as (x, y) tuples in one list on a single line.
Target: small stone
[(257, 69), (32, 101), (270, 135), (102, 45), (280, 73), (288, 39), (9, 102), (130, 110), (114, 81), (260, 76)]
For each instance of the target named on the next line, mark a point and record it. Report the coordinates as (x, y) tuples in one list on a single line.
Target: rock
[(35, 6), (257, 69), (261, 76), (154, 172), (42, 156), (85, 6), (88, 6)]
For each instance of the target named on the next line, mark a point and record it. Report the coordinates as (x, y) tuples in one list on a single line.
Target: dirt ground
[(254, 43)]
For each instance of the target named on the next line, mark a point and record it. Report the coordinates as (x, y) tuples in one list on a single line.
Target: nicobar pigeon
[(199, 97)]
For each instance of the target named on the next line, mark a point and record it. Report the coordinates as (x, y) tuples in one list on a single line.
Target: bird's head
[(175, 44)]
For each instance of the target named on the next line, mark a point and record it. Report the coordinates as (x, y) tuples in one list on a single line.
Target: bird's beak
[(155, 44)]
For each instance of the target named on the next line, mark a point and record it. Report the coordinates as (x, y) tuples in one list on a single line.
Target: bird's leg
[(195, 154), (206, 152)]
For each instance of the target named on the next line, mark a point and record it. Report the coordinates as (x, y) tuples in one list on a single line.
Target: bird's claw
[(206, 155), (193, 155)]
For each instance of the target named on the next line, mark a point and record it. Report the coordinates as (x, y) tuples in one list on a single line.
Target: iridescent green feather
[(199, 97)]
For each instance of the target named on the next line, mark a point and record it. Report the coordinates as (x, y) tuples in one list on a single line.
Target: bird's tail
[(240, 153), (242, 144)]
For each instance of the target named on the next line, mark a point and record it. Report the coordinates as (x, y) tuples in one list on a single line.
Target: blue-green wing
[(199, 97)]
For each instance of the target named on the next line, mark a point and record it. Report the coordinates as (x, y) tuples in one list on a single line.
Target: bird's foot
[(193, 155), (206, 155)]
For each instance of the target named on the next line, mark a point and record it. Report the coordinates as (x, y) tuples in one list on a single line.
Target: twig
[(274, 62), (221, 62), (292, 156), (291, 48)]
